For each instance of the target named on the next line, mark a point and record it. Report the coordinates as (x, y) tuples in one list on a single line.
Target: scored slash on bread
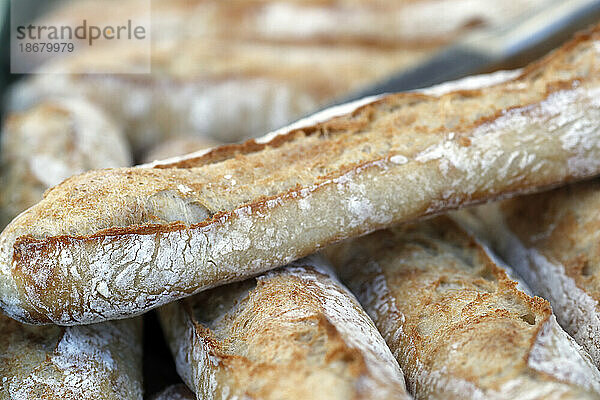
[(114, 243), (456, 323), (293, 333), (552, 240)]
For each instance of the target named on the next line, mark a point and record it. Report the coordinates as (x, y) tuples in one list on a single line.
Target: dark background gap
[(158, 364)]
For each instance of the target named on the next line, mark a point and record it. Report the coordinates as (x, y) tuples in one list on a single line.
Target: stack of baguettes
[(223, 241), (287, 57)]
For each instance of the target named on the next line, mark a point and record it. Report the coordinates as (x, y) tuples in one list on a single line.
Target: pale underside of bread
[(50, 142), (293, 333), (456, 323), (113, 243), (552, 240), (175, 392), (101, 361)]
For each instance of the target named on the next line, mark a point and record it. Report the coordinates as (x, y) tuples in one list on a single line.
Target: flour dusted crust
[(50, 142), (455, 321), (101, 361), (295, 332), (552, 241), (114, 243), (467, 83)]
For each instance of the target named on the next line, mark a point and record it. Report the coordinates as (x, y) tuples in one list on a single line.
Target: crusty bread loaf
[(552, 240), (175, 392), (114, 243), (100, 362), (455, 321), (293, 333), (45, 145)]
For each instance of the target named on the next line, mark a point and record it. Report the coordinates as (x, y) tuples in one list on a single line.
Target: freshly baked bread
[(101, 361), (293, 333), (176, 392), (552, 240), (177, 147), (114, 243), (456, 323), (45, 145), (287, 58)]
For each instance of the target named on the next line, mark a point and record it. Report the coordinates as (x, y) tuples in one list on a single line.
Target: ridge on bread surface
[(457, 324), (237, 339), (552, 239)]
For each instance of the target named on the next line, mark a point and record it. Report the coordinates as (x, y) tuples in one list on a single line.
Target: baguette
[(206, 53), (54, 140), (294, 333), (114, 243), (456, 323), (552, 241), (101, 362)]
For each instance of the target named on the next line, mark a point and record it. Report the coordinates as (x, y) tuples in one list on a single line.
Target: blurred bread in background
[(50, 142), (230, 70)]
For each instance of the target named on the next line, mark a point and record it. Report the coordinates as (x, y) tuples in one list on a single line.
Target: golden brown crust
[(237, 339), (288, 58), (540, 75), (456, 322), (197, 91), (552, 240), (563, 224), (226, 215)]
